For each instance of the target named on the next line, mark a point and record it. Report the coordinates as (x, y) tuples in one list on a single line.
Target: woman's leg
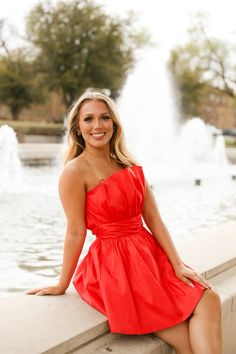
[(202, 332), (178, 337), (205, 325)]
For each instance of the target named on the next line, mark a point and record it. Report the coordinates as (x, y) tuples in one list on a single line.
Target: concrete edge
[(219, 266)]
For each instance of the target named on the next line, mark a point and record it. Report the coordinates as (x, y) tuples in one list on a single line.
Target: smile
[(98, 134)]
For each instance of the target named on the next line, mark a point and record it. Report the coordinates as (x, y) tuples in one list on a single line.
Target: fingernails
[(191, 285)]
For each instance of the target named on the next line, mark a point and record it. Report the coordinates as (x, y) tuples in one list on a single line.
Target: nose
[(97, 124)]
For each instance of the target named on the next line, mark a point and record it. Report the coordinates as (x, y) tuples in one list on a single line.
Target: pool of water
[(32, 222)]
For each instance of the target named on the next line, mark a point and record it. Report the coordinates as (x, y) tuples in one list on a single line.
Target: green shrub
[(34, 128), (230, 143)]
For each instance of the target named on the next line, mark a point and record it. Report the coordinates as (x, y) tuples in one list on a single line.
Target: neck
[(99, 154)]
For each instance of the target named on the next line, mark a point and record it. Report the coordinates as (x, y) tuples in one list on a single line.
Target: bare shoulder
[(72, 191), (73, 175)]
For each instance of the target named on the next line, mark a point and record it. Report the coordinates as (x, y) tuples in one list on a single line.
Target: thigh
[(177, 336), (209, 304)]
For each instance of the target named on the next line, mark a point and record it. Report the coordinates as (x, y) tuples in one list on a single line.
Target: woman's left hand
[(187, 274)]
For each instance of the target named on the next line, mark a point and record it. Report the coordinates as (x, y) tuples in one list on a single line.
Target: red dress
[(126, 274)]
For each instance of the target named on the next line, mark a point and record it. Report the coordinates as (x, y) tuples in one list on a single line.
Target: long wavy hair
[(76, 143)]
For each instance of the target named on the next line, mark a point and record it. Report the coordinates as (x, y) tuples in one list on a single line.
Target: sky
[(167, 20)]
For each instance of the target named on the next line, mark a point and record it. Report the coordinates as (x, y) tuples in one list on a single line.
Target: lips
[(98, 135)]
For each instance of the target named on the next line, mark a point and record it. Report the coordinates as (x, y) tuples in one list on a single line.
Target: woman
[(128, 266)]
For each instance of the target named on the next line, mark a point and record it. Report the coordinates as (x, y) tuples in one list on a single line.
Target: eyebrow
[(102, 114)]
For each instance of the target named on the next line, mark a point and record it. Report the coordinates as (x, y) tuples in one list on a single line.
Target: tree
[(3, 45), (19, 87), (201, 64), (79, 46), (187, 78)]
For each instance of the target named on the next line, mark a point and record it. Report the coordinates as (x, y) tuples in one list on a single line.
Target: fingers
[(39, 291), (192, 275), (43, 292), (187, 281), (33, 291), (50, 290), (201, 280)]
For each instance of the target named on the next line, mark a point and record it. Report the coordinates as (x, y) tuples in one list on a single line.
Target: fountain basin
[(36, 154)]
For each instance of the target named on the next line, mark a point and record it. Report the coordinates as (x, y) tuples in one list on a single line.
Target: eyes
[(87, 119), (104, 117)]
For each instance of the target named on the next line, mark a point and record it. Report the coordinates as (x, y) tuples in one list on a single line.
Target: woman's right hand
[(50, 290)]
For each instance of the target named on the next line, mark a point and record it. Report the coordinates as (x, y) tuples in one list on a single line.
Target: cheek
[(84, 127), (109, 125)]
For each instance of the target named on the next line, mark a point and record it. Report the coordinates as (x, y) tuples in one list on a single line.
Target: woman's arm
[(154, 222), (72, 194)]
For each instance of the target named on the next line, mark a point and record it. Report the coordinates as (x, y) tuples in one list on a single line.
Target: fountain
[(197, 144), (148, 110), (32, 222), (10, 165), (200, 154), (167, 149)]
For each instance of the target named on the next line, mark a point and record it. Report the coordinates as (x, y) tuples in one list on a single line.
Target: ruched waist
[(116, 229)]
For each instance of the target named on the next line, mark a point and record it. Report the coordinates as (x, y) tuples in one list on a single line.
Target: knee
[(210, 301), (213, 300), (214, 296)]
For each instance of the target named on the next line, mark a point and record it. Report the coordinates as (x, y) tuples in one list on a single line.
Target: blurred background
[(170, 67)]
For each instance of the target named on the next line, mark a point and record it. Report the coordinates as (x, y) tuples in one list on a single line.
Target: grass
[(34, 128), (23, 124), (230, 144)]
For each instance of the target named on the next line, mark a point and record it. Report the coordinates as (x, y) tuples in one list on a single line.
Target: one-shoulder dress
[(126, 274)]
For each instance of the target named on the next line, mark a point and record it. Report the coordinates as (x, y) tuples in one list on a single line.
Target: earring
[(78, 132)]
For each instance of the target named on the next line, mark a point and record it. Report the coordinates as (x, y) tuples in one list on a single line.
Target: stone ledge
[(125, 344), (39, 154), (67, 324), (37, 150), (225, 284), (48, 324), (231, 154), (211, 251)]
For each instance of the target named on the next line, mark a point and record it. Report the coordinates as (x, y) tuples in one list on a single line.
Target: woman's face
[(95, 123)]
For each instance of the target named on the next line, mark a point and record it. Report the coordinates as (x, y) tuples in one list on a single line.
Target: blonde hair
[(118, 150)]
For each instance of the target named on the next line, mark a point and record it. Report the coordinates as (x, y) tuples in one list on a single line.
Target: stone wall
[(66, 324)]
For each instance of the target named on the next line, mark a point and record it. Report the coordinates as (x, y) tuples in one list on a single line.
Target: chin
[(99, 143)]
